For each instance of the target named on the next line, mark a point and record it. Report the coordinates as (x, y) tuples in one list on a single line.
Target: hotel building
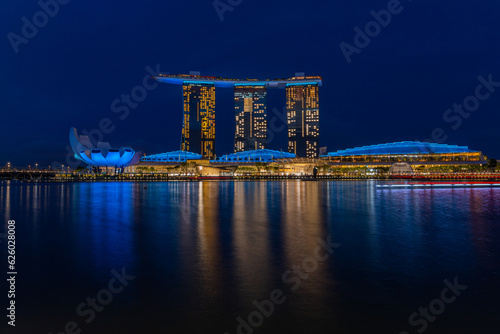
[(198, 128), (250, 97), (302, 101), (251, 117)]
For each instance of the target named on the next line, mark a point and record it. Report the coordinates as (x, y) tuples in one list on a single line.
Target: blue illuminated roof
[(199, 82), (255, 156), (301, 83), (182, 79), (405, 147), (250, 84), (175, 156)]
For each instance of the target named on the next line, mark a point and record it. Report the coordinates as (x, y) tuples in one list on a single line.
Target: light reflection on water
[(204, 251)]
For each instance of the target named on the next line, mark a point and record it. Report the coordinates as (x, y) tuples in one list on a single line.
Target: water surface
[(203, 252)]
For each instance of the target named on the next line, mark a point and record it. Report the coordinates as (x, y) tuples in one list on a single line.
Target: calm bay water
[(202, 253)]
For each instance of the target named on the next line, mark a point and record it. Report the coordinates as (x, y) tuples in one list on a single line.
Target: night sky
[(397, 87)]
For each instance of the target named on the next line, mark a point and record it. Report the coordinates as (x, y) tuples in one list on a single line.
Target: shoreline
[(305, 178)]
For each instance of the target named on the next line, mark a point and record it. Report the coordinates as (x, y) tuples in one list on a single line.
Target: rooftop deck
[(180, 79)]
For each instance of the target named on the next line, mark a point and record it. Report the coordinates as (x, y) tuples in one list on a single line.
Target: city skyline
[(398, 87), (231, 166)]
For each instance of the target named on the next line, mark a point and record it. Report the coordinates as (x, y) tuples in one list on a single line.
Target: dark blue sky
[(397, 88)]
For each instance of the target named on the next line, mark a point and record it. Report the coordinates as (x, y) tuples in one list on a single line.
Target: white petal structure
[(102, 155)]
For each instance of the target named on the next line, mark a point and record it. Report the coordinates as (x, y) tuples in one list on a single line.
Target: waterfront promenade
[(51, 176)]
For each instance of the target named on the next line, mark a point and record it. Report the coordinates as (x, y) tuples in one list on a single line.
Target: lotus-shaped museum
[(102, 155)]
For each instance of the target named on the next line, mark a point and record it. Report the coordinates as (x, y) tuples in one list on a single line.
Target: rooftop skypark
[(179, 79)]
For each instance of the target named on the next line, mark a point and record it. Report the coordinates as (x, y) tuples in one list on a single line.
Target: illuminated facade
[(175, 156), (407, 151), (255, 156), (250, 95), (198, 128), (302, 100), (251, 117)]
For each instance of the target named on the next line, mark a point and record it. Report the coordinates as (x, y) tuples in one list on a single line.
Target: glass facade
[(198, 128), (251, 117), (302, 100)]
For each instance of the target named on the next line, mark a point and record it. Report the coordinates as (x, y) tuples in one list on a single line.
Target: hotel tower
[(251, 117), (198, 128), (302, 101), (250, 103)]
